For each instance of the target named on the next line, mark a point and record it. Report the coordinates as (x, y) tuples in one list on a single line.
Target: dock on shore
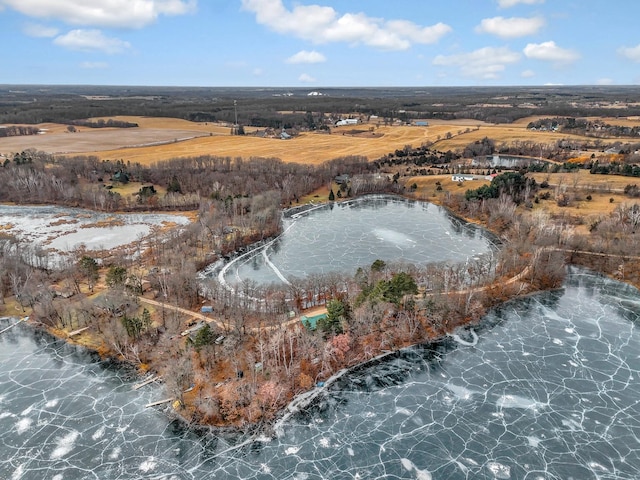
[(159, 402), (23, 319), (149, 380)]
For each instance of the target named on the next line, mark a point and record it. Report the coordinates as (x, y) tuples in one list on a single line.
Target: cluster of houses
[(466, 177), (283, 134)]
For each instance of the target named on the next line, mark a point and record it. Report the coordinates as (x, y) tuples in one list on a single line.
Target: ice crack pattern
[(548, 390)]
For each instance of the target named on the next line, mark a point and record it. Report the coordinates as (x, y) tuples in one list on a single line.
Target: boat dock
[(23, 319)]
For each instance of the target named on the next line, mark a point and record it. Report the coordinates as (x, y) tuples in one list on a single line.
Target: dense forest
[(273, 107)]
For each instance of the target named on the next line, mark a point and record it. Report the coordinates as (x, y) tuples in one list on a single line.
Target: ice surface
[(346, 236), (65, 228), (517, 405)]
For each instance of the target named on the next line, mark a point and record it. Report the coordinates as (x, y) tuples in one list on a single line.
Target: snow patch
[(503, 472), (65, 445), (397, 238), (533, 441), (23, 425), (18, 472), (403, 411), (410, 466), (115, 453), (292, 450), (98, 434), (148, 465), (515, 401), (462, 393)]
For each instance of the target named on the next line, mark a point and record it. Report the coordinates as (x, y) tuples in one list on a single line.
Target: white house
[(347, 121), (462, 178)]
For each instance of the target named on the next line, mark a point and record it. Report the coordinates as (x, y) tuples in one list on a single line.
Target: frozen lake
[(549, 391), (64, 229), (347, 235)]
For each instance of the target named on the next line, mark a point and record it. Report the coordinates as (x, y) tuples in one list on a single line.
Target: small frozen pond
[(343, 236), (64, 229)]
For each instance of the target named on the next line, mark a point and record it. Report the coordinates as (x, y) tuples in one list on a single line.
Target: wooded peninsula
[(550, 172)]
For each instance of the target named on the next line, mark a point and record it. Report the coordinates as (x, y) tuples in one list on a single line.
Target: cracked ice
[(548, 391)]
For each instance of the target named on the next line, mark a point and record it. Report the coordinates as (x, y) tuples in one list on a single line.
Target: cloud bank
[(319, 24), (510, 27), (103, 13)]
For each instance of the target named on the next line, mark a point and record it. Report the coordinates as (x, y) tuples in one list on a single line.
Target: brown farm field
[(311, 148), (622, 121), (159, 138), (501, 134), (151, 131)]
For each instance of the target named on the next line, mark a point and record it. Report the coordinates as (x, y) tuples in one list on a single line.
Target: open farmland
[(312, 148), (501, 134), (161, 138), (60, 141), (56, 139), (158, 139)]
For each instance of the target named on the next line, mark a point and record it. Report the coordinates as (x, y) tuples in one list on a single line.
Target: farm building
[(347, 121), (341, 179), (462, 178)]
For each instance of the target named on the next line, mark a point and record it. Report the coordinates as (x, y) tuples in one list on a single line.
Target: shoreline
[(274, 421), (304, 399)]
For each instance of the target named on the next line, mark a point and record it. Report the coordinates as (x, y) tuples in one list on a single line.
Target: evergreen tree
[(116, 276), (174, 186), (338, 313), (203, 338), (89, 268)]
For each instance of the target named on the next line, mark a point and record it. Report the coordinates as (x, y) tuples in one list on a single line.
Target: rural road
[(218, 323)]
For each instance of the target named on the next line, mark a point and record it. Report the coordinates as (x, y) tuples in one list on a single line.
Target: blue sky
[(280, 43)]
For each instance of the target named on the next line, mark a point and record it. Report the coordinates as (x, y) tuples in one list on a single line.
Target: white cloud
[(39, 31), (528, 74), (257, 71), (91, 40), (550, 52), (103, 13), (630, 53), (486, 63), (321, 24), (605, 81), (306, 78), (305, 56), (418, 34), (94, 65), (513, 3), (510, 27)]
